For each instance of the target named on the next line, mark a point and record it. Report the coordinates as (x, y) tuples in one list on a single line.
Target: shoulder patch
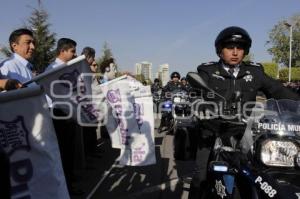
[(254, 64), (208, 63)]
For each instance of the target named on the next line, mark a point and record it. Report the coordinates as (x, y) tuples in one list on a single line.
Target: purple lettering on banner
[(82, 87), (138, 154), (71, 77), (114, 96), (14, 135), (138, 114), (88, 108)]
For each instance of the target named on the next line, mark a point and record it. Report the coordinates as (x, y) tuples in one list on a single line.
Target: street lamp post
[(291, 39)]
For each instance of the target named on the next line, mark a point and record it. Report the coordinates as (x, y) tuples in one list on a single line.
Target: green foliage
[(44, 39), (107, 54), (279, 41), (5, 51), (284, 74), (271, 69), (140, 77)]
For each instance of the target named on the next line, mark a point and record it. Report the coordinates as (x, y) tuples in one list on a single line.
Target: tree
[(44, 39), (140, 77), (5, 51), (107, 54), (284, 73), (271, 69), (279, 41)]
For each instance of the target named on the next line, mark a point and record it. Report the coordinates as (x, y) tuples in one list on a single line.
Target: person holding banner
[(89, 133), (65, 128), (65, 51), (89, 54), (18, 66), (108, 69)]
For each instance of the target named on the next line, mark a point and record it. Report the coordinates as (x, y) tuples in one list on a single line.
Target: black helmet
[(183, 78), (175, 74), (156, 80), (233, 34)]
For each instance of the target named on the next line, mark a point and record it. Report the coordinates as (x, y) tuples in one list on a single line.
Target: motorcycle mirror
[(196, 81)]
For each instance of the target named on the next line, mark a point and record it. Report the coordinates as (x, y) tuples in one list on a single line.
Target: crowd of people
[(17, 70), (227, 76)]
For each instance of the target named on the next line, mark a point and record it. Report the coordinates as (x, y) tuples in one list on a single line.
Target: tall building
[(144, 68), (164, 73)]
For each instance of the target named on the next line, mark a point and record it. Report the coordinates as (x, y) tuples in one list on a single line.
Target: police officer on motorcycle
[(156, 93), (185, 85), (172, 85), (155, 87), (166, 94), (229, 77)]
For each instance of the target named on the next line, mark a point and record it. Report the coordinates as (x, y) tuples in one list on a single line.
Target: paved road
[(166, 179)]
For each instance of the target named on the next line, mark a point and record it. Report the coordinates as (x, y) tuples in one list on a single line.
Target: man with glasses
[(108, 69)]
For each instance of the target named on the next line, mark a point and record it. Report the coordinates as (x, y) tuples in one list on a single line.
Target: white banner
[(28, 136), (121, 113), (131, 125), (69, 87)]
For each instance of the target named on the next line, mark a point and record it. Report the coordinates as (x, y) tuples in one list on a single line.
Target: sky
[(180, 33)]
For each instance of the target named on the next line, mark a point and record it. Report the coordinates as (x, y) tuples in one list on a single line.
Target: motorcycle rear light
[(279, 153)]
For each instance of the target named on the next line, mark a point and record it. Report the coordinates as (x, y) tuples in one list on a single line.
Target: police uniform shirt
[(16, 67), (249, 80), (236, 69)]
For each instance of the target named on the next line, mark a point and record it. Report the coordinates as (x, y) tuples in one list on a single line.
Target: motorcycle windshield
[(280, 118), (277, 117)]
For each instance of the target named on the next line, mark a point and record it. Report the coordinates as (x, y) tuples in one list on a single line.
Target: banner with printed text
[(27, 135), (131, 124), (70, 88)]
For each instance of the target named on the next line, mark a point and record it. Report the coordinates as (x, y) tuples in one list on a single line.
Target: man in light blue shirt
[(17, 66), (65, 128), (65, 51)]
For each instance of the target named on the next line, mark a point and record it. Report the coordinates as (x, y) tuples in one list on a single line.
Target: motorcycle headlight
[(167, 105), (279, 153), (177, 99)]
